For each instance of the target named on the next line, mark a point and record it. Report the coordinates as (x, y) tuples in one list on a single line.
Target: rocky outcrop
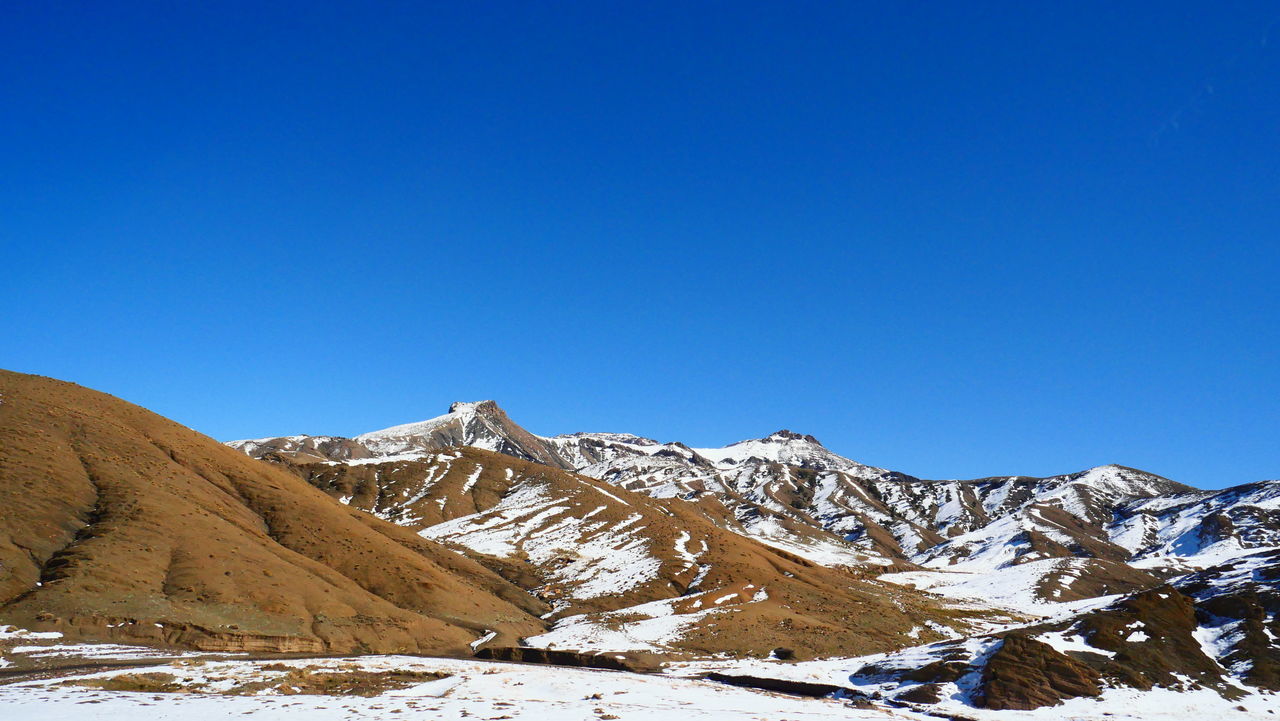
[(1025, 674), (1152, 636), (779, 685)]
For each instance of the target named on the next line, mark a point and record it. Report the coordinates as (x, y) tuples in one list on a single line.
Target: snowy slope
[(466, 688), (597, 553)]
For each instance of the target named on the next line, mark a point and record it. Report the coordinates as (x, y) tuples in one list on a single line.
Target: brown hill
[(118, 524)]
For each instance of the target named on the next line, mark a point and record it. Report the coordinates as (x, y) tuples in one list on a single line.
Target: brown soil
[(117, 524), (293, 681), (154, 682)]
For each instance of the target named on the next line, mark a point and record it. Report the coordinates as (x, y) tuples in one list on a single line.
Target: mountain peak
[(476, 406), (787, 435), (459, 412)]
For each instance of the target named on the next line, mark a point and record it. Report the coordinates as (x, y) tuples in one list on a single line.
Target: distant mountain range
[(786, 480)]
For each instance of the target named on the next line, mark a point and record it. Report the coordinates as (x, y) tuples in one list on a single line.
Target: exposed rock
[(1025, 674), (795, 688), (1169, 649), (922, 693)]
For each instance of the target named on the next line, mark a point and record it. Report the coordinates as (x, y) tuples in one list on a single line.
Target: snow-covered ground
[(1013, 588), (1115, 704), (653, 626), (201, 689), (475, 689), (23, 645), (488, 690)]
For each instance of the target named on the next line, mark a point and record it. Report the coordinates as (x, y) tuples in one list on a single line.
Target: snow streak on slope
[(1017, 588), (654, 626), (597, 558), (586, 547)]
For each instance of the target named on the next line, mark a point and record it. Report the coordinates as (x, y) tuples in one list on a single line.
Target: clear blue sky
[(954, 239)]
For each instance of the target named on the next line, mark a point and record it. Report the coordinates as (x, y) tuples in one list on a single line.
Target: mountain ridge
[(499, 423), (780, 488), (784, 482)]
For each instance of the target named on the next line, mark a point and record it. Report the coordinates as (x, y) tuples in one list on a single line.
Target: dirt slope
[(116, 523)]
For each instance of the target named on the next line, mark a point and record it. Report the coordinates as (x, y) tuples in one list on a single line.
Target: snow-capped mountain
[(603, 453), (992, 522), (724, 476), (480, 424), (484, 425), (780, 486)]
